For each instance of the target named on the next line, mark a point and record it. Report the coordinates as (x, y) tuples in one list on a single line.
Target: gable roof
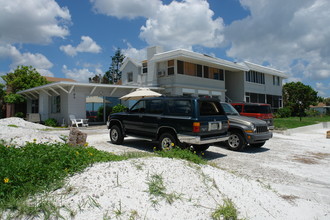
[(128, 60)]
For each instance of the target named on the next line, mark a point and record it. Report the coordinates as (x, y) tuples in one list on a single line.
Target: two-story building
[(183, 72)]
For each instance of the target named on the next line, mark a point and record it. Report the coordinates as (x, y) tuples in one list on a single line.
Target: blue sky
[(76, 39)]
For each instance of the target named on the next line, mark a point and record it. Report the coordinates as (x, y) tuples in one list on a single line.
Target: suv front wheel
[(116, 136), (236, 141), (166, 141)]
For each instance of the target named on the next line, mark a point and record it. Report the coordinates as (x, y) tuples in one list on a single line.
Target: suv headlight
[(252, 128)]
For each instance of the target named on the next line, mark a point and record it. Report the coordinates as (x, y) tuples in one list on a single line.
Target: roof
[(55, 79), (127, 60), (263, 69), (186, 54), (69, 86)]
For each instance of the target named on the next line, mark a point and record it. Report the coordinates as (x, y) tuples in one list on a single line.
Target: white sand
[(119, 190)]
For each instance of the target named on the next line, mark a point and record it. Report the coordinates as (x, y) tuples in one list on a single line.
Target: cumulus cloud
[(126, 8), (80, 75), (135, 54), (32, 21), (87, 45), (37, 60), (183, 25), (291, 35)]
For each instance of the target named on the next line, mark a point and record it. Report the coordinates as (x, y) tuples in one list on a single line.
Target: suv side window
[(179, 107), (139, 107), (238, 108), (154, 107)]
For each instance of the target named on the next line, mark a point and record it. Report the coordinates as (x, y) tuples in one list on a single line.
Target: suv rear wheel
[(236, 141), (116, 136), (166, 141)]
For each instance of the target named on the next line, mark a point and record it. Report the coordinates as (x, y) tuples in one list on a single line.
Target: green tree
[(23, 77), (327, 101), (113, 75), (298, 97), (2, 101)]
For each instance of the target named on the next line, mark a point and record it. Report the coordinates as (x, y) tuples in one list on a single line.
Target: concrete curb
[(307, 128)]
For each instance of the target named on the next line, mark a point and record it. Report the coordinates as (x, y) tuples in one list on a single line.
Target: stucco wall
[(235, 86)]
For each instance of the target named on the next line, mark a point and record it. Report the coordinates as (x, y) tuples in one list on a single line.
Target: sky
[(76, 38)]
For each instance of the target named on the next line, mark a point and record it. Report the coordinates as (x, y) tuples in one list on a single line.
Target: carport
[(58, 100)]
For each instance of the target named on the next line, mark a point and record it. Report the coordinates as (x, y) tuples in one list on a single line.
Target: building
[(183, 72)]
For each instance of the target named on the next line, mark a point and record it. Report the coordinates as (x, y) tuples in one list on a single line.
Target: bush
[(283, 112), (19, 114), (312, 113), (52, 122), (119, 108)]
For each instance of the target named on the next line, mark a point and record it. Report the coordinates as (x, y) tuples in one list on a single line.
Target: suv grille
[(261, 129)]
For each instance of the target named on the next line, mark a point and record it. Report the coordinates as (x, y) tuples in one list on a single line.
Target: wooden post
[(328, 134)]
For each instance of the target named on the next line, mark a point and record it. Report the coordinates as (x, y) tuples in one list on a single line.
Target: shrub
[(312, 113), (19, 114), (283, 112), (52, 122), (119, 108)]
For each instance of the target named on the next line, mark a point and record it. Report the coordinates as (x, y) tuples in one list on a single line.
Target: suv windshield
[(263, 109), (229, 109)]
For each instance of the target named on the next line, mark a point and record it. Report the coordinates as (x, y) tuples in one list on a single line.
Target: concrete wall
[(235, 86)]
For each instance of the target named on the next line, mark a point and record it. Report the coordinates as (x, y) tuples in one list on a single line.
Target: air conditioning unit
[(161, 73)]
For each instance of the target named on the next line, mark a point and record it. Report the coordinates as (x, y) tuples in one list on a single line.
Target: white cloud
[(322, 89), (87, 44), (183, 25), (291, 35), (80, 75), (126, 8), (38, 61), (32, 21), (135, 54)]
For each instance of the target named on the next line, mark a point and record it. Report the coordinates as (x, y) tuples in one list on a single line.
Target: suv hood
[(245, 120)]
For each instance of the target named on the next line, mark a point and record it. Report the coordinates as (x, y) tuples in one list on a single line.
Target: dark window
[(199, 70), (56, 104), (154, 107), (215, 75), (130, 77), (206, 72), (180, 67), (179, 107), (170, 67), (210, 108), (145, 67), (139, 107), (238, 108), (265, 109), (221, 75), (35, 106)]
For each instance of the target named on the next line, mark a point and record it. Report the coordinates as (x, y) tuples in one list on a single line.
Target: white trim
[(203, 92), (188, 91)]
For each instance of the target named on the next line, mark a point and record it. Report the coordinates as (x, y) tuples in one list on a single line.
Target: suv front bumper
[(253, 138), (197, 140)]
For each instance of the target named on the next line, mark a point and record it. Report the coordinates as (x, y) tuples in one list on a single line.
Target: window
[(139, 107), (154, 107), (219, 75), (210, 108), (144, 67), (255, 77), (199, 70), (179, 107), (130, 77), (238, 108), (56, 104), (180, 67), (276, 80), (170, 67), (206, 72), (35, 106)]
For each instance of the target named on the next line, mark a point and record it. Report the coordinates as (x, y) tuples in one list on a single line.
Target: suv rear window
[(263, 109), (210, 108)]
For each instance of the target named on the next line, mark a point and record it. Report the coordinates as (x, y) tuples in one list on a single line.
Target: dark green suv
[(172, 121)]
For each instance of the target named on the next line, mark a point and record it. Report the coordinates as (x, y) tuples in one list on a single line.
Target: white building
[(183, 72)]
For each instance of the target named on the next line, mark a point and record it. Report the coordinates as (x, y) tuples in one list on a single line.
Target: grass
[(37, 168), (294, 122), (226, 211)]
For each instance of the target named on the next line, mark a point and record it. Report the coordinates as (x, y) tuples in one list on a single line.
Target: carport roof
[(69, 86)]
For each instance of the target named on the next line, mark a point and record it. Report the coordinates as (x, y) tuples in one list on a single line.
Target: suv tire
[(166, 141), (236, 141), (258, 144), (116, 135)]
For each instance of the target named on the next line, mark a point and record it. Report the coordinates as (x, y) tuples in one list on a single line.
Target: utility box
[(33, 117)]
